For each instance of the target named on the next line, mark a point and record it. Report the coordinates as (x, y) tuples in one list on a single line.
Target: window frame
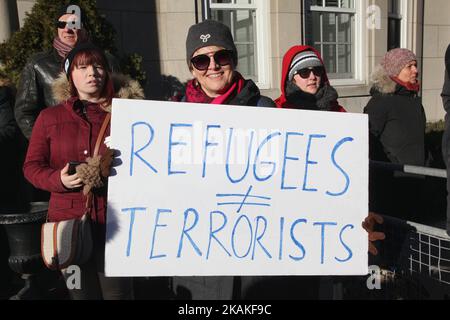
[(262, 29), (358, 47)]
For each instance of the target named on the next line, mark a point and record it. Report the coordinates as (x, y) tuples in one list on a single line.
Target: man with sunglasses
[(304, 82), (34, 91)]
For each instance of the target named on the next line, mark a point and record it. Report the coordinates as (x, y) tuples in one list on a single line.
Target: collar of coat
[(381, 81), (124, 86)]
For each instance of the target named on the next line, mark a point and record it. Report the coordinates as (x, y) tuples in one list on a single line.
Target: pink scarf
[(194, 92)]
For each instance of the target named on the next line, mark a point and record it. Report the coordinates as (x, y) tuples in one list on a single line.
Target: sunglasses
[(305, 73), (63, 24), (222, 58)]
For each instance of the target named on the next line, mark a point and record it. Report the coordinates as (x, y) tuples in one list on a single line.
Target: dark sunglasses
[(63, 24), (222, 58), (305, 73)]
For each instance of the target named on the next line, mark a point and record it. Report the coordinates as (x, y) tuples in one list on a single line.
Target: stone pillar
[(9, 21)]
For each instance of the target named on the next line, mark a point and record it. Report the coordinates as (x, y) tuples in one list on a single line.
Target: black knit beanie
[(209, 33), (85, 46)]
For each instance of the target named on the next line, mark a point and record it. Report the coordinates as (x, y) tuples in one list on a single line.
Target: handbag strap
[(101, 134)]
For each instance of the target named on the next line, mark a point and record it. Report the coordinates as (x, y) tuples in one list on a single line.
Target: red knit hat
[(395, 60)]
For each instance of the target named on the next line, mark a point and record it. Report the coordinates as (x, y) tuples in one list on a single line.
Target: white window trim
[(263, 47), (404, 6), (359, 48)]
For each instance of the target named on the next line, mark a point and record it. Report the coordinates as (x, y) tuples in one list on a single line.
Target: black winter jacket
[(34, 92), (397, 123)]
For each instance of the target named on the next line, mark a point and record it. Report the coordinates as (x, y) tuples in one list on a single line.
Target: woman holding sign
[(212, 59), (69, 133)]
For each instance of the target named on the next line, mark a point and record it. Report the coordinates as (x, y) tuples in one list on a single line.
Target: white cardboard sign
[(226, 190)]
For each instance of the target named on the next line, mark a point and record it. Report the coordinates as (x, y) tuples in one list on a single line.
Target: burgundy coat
[(62, 134)]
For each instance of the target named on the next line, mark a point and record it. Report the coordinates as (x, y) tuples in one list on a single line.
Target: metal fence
[(414, 260)]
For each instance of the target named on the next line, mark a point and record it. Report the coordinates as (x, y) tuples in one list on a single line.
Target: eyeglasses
[(63, 24), (222, 58), (305, 73)]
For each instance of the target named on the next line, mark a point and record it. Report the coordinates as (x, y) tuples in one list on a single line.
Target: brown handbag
[(70, 242)]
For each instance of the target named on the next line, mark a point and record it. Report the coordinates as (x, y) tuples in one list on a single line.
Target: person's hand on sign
[(369, 225)]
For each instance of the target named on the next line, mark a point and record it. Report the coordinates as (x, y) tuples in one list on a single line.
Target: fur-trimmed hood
[(381, 82), (124, 86)]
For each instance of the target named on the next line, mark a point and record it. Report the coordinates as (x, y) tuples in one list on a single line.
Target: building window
[(330, 28), (248, 21), (394, 24)]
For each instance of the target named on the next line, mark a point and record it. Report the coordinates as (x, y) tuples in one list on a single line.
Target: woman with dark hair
[(67, 133)]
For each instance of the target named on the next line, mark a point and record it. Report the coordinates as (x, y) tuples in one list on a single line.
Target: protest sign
[(226, 190)]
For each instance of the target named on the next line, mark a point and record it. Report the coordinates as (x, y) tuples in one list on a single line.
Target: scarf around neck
[(325, 99), (409, 86), (63, 49), (195, 94)]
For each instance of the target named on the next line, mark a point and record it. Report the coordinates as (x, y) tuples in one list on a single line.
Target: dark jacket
[(397, 135), (293, 98), (63, 134), (446, 138), (34, 92), (251, 96), (397, 122), (12, 153)]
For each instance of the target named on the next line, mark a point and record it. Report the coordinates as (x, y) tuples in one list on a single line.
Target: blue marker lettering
[(177, 143), (233, 236), (309, 162), (333, 158), (185, 232), (297, 243), (136, 153), (286, 158), (208, 144), (322, 237), (259, 237), (280, 256), (213, 232), (273, 135), (130, 230), (350, 253), (157, 225), (227, 165)]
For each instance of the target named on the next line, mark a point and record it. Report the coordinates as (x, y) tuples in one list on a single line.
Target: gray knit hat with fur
[(209, 33)]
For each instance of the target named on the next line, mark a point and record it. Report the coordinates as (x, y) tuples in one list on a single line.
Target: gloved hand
[(369, 225), (95, 171)]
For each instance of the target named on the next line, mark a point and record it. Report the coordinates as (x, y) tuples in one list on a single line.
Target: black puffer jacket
[(34, 92), (397, 122)]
